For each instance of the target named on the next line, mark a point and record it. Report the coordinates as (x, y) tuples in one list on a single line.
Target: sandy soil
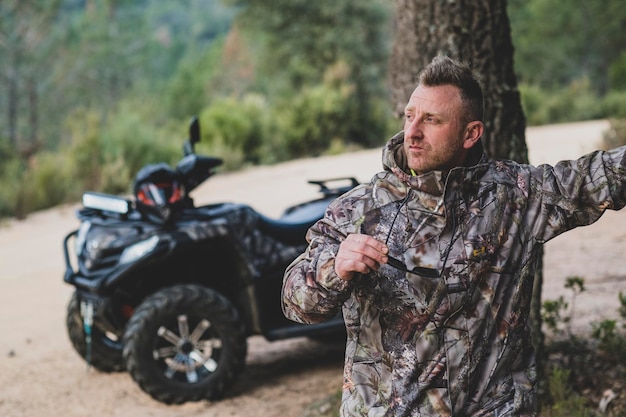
[(40, 375)]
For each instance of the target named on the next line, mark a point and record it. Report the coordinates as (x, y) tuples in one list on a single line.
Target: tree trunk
[(477, 32), (12, 105), (33, 119)]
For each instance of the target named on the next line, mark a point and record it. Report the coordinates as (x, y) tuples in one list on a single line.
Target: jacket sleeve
[(312, 292), (576, 193)]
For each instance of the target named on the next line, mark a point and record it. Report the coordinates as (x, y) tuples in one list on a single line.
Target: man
[(433, 260)]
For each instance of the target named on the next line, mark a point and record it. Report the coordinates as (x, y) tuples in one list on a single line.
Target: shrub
[(82, 148), (564, 402), (576, 102), (235, 130), (310, 122), (580, 369), (617, 72), (12, 191), (129, 138), (613, 105), (49, 182)]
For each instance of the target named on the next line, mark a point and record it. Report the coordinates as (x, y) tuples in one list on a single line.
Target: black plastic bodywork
[(198, 248)]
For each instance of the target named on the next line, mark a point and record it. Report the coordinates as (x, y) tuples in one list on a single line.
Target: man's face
[(434, 132)]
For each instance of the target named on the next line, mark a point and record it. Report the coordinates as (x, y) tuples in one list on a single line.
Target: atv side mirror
[(194, 136)]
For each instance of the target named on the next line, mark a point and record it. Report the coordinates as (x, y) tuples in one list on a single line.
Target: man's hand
[(359, 253)]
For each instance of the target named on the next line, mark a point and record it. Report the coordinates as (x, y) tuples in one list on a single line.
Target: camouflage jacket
[(456, 344)]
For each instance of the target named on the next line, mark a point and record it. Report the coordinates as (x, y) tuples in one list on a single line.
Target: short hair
[(444, 70)]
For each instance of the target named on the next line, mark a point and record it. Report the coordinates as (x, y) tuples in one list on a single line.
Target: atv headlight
[(136, 251), (106, 202)]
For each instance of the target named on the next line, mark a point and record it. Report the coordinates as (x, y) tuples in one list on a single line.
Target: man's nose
[(413, 129)]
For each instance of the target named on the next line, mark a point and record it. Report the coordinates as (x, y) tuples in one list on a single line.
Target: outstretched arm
[(576, 193)]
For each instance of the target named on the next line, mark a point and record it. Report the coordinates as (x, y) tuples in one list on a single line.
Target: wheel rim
[(188, 356)]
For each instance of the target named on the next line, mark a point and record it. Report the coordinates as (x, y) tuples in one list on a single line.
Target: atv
[(170, 292)]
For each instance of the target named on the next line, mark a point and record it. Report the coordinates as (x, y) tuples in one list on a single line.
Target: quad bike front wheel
[(185, 343), (104, 351)]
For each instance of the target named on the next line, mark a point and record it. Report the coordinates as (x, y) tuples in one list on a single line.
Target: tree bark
[(477, 32), (473, 31), (12, 104)]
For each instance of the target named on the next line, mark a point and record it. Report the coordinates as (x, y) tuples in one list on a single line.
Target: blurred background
[(93, 89)]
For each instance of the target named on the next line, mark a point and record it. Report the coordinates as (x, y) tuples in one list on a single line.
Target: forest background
[(91, 90)]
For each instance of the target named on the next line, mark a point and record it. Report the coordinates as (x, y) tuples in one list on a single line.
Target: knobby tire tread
[(166, 303)]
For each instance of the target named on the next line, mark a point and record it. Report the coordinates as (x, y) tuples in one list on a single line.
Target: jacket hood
[(394, 160)]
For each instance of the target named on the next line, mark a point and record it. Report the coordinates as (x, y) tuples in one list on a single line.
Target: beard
[(423, 157)]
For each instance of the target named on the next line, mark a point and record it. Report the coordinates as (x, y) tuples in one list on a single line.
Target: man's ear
[(473, 133)]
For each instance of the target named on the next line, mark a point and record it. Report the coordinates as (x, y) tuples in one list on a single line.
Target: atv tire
[(106, 349), (185, 343)]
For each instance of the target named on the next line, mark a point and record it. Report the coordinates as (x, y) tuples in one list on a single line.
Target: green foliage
[(557, 314), (48, 183), (43, 182), (84, 150), (611, 338), (115, 177), (613, 105), (138, 142), (554, 314), (558, 42), (576, 102), (303, 38), (324, 115), (622, 306), (313, 119), (235, 130), (12, 197), (104, 156), (328, 39), (575, 283), (564, 402), (617, 73), (109, 86), (579, 367), (186, 91)]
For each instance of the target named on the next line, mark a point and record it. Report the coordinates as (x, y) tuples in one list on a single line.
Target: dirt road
[(40, 375)]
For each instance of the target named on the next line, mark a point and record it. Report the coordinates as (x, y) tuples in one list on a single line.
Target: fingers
[(359, 254)]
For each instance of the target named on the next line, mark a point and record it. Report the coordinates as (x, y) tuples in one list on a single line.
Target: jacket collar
[(433, 182)]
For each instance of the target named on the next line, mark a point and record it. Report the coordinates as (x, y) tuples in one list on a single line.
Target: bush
[(565, 402), (130, 139), (82, 148), (49, 182), (575, 103), (12, 191), (613, 105), (234, 130), (44, 181), (310, 122), (617, 72), (93, 155), (581, 370)]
